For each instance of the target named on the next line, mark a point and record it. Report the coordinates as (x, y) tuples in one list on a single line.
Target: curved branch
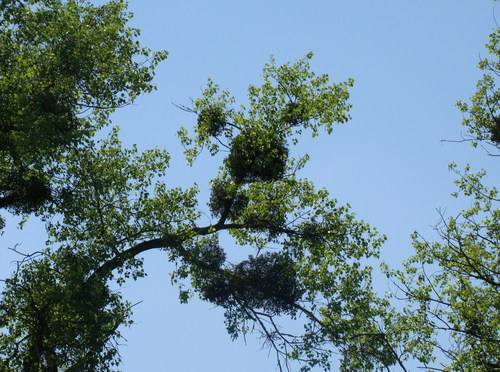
[(169, 241)]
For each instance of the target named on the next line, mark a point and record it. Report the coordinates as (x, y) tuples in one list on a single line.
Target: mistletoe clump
[(24, 195), (257, 155), (212, 120), (495, 131), (268, 282)]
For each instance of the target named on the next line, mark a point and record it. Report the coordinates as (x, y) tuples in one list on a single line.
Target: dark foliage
[(21, 195), (47, 124), (65, 66), (222, 201), (495, 131), (213, 120), (265, 222), (257, 156), (209, 256), (267, 282), (369, 348), (45, 121)]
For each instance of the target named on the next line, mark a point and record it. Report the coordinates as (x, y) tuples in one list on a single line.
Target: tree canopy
[(64, 67), (67, 65)]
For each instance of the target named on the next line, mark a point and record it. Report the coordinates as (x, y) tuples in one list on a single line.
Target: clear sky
[(411, 61)]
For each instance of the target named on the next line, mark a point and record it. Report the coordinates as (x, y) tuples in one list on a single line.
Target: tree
[(64, 67), (451, 287), (104, 205)]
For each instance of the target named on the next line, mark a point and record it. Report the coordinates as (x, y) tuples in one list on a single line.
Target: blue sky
[(411, 61)]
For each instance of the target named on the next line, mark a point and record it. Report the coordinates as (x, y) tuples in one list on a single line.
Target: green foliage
[(24, 195), (451, 319), (108, 202), (64, 67), (453, 285), (226, 198), (257, 155), (69, 64), (482, 119), (212, 121), (53, 318), (291, 98), (267, 282), (295, 114)]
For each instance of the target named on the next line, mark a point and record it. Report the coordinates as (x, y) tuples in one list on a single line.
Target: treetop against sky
[(258, 226)]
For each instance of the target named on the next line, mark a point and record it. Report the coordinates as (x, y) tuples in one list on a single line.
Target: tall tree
[(109, 204)]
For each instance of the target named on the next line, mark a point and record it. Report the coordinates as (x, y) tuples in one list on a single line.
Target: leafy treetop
[(64, 67)]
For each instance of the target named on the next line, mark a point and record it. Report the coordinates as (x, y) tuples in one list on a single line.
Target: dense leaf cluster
[(212, 120), (267, 282), (295, 113), (24, 195), (257, 156)]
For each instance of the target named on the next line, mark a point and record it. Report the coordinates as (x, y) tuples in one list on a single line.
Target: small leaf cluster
[(212, 121)]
